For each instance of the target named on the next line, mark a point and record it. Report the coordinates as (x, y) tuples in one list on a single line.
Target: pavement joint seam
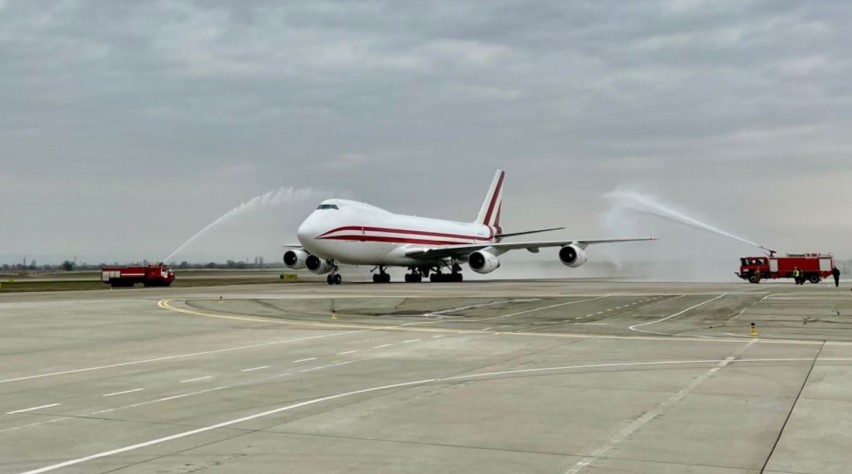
[(792, 408)]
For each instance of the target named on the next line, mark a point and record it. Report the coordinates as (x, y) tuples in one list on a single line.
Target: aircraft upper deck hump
[(489, 213)]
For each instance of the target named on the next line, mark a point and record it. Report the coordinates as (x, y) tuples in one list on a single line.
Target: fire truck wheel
[(814, 279), (754, 279)]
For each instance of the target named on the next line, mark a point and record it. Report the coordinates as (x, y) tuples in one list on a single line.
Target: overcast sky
[(125, 127)]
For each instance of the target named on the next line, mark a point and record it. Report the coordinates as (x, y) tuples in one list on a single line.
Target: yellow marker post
[(753, 330)]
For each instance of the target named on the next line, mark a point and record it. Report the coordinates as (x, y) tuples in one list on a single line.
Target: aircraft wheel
[(330, 279), (456, 278), (337, 279)]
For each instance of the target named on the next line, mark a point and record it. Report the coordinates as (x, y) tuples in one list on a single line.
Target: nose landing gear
[(334, 278)]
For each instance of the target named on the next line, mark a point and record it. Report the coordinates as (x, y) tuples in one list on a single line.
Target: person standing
[(797, 275), (836, 274)]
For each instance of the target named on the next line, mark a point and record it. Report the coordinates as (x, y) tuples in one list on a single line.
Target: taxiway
[(510, 376)]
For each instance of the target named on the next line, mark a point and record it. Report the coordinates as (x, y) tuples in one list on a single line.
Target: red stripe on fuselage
[(494, 199), (394, 240), (406, 231)]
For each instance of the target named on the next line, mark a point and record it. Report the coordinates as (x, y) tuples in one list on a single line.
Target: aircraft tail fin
[(489, 214)]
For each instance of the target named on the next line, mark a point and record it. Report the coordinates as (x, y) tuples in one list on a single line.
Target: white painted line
[(410, 341), (631, 428), (33, 408), (255, 368), (486, 329), (609, 310), (197, 379), (183, 356), (633, 328), (205, 429), (542, 308), (383, 345), (109, 410), (347, 352), (327, 366), (439, 335), (151, 402), (122, 393), (304, 360)]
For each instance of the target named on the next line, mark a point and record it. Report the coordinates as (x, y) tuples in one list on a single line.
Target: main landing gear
[(382, 277), (454, 276), (334, 279), (416, 275)]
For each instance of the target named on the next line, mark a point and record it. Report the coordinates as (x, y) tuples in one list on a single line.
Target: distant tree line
[(69, 265)]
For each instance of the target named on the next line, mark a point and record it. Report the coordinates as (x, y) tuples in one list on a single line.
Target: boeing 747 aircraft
[(341, 231)]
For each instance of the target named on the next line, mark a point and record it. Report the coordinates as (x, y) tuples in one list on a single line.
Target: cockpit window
[(328, 206)]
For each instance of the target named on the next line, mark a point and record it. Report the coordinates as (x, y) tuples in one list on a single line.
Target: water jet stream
[(276, 196), (647, 205)]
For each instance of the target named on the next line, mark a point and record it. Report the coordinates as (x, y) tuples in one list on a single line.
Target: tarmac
[(550, 376)]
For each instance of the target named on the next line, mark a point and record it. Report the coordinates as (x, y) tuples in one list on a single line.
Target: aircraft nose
[(306, 230)]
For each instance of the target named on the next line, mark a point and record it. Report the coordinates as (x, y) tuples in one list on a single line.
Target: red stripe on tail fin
[(489, 214)]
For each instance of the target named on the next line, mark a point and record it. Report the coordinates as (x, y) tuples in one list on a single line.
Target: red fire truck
[(152, 275), (814, 267)]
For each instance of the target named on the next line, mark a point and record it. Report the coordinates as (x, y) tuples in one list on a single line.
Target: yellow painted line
[(165, 305)]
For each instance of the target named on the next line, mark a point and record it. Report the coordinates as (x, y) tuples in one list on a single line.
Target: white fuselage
[(355, 233)]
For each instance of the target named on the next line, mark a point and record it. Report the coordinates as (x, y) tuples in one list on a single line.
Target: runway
[(504, 376)]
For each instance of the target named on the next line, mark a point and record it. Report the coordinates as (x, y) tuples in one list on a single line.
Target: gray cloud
[(165, 114)]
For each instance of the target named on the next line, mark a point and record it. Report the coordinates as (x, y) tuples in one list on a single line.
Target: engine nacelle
[(318, 265), (483, 262), (572, 256), (295, 259)]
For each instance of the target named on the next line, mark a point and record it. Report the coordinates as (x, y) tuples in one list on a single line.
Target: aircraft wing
[(462, 251)]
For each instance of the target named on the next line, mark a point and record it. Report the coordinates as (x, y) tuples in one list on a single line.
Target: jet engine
[(295, 259), (318, 265), (483, 262), (572, 256)]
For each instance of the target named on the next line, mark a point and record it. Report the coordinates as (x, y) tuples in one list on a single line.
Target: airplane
[(341, 231)]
